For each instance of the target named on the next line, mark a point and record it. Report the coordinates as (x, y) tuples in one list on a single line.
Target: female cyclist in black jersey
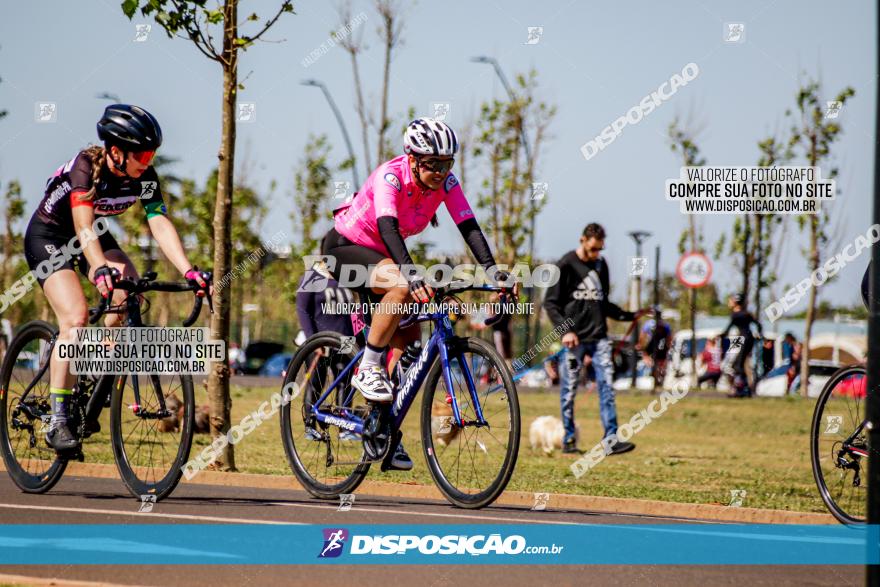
[(67, 230)]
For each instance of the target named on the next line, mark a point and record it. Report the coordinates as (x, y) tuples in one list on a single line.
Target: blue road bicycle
[(470, 420)]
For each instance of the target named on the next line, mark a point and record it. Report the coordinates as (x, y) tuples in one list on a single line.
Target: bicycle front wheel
[(839, 446), (151, 450), (32, 465), (472, 464)]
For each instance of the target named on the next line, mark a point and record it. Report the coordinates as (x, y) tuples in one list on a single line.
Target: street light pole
[(635, 294), (525, 143), (319, 84)]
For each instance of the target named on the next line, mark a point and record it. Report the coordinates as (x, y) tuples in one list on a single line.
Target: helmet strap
[(418, 176), (121, 167)]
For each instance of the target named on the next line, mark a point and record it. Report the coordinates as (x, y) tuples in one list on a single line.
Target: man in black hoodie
[(581, 297)]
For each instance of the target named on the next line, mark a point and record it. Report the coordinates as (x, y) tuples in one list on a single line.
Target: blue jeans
[(572, 361)]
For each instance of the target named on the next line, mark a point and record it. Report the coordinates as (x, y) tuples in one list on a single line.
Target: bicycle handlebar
[(146, 283), (462, 286)]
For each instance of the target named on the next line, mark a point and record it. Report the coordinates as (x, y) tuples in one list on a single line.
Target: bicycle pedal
[(74, 454)]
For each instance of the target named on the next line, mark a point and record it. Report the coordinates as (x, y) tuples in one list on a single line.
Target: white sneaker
[(373, 384), (401, 461)]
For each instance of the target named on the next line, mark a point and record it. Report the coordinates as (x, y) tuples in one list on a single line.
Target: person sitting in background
[(711, 359), (788, 344)]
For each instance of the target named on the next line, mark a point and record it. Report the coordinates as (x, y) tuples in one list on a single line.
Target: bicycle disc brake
[(377, 432)]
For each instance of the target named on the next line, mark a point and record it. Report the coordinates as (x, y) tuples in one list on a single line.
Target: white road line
[(147, 515), (490, 519), (484, 519)]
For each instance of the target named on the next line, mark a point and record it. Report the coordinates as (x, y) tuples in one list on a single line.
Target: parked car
[(276, 365), (775, 383), (256, 354)]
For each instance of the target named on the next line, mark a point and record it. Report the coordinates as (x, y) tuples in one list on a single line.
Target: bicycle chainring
[(377, 432)]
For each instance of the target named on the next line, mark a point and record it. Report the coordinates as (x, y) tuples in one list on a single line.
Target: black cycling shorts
[(45, 244), (348, 253)]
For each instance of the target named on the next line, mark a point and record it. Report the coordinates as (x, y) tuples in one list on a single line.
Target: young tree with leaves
[(812, 134), (507, 198), (193, 20)]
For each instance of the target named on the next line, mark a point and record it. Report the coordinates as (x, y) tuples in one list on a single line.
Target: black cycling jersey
[(581, 295), (114, 195), (742, 320)]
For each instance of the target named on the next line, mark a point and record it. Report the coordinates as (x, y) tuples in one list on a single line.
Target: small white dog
[(443, 423), (547, 432)]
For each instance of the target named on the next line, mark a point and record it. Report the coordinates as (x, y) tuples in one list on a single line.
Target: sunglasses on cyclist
[(143, 157), (437, 165)]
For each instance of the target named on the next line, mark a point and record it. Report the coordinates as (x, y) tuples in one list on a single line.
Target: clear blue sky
[(595, 61)]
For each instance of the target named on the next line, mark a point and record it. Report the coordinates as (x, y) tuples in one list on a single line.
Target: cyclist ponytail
[(97, 155)]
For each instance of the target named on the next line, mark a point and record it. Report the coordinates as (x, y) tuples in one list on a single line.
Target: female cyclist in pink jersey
[(398, 200)]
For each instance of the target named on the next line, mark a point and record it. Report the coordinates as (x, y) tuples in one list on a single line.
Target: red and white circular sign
[(694, 270)]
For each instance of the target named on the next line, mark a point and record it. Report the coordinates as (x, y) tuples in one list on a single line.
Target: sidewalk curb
[(557, 501)]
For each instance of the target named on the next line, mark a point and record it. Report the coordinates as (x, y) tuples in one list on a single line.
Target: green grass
[(697, 452)]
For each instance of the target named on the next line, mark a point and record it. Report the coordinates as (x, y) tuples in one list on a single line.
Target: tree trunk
[(811, 305), (814, 264), (362, 115), (218, 382), (747, 268), (496, 218), (383, 120), (759, 262)]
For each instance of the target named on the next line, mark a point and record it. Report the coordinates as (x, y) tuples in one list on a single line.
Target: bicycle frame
[(438, 344)]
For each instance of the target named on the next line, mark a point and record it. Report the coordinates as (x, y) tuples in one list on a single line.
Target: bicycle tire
[(27, 482), (453, 493), (133, 476), (839, 513)]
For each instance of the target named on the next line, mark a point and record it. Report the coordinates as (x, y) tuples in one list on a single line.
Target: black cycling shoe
[(622, 447), (571, 448), (60, 438)]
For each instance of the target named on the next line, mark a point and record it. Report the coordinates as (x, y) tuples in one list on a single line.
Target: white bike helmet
[(426, 136)]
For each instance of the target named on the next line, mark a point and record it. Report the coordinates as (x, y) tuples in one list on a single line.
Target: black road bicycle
[(149, 459)]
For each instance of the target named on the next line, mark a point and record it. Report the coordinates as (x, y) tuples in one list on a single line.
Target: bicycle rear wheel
[(839, 447), (33, 466), (326, 460), (151, 451), (471, 465)]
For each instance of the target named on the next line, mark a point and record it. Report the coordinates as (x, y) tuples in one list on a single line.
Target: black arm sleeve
[(305, 310), (389, 230), (555, 296), (609, 308), (726, 330), (475, 239)]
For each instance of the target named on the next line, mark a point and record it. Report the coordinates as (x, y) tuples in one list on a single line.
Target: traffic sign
[(694, 270)]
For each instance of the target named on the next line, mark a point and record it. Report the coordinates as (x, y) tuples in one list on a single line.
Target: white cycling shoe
[(373, 384)]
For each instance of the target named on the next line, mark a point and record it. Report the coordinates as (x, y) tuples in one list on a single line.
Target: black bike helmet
[(738, 299), (130, 128)]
